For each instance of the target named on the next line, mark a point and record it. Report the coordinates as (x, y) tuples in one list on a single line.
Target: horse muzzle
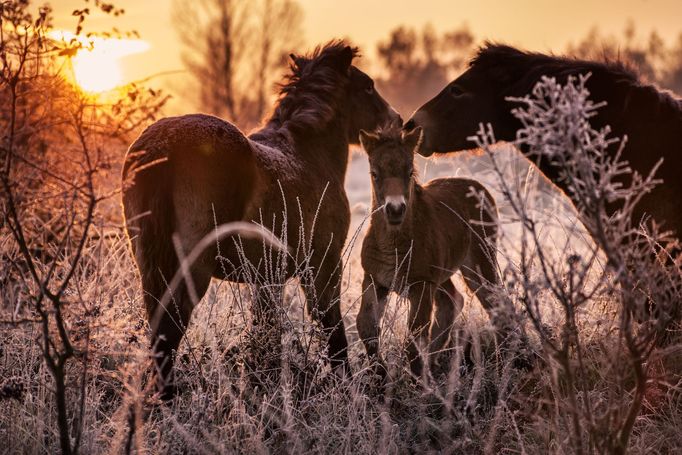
[(395, 209)]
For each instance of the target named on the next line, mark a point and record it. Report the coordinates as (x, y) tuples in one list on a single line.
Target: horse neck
[(652, 120), (324, 149)]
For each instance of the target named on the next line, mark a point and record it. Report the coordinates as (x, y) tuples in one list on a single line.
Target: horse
[(185, 175), (419, 236), (651, 119)]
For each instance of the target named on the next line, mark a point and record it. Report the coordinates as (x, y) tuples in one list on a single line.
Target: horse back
[(184, 175), (461, 198)]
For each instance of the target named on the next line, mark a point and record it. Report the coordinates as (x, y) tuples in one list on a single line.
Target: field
[(230, 403), (593, 362)]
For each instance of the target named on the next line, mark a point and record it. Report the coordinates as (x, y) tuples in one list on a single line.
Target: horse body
[(447, 225), (651, 119), (222, 176), (399, 257), (187, 175)]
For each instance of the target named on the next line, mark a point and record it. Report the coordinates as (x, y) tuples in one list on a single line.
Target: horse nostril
[(410, 125), (395, 209)]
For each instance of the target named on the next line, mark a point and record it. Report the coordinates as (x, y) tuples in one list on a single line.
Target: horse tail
[(150, 219)]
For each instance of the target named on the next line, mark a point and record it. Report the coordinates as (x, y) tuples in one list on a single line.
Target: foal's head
[(391, 163)]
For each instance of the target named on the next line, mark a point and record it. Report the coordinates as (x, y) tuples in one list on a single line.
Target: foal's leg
[(369, 317), (421, 303), (480, 274), (479, 271), (449, 303)]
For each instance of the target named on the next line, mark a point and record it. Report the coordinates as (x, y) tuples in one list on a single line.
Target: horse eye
[(370, 90), (373, 175), (456, 90)]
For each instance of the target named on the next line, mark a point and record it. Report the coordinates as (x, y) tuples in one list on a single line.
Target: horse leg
[(369, 317), (323, 302), (168, 324), (449, 303), (421, 303), (480, 275)]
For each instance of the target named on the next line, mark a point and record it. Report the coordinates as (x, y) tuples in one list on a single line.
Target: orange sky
[(535, 24)]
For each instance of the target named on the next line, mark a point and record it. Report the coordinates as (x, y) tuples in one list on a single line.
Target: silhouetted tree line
[(417, 64), (655, 61), (237, 51)]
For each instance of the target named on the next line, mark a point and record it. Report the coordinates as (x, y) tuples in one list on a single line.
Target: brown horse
[(423, 235), (651, 119), (186, 175)]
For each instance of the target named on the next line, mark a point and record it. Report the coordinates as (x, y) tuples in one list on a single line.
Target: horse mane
[(390, 133), (525, 67), (518, 71), (311, 93)]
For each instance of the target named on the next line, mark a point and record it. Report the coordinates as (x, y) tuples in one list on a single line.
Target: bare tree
[(53, 154), (280, 33), (236, 50), (417, 65), (655, 61)]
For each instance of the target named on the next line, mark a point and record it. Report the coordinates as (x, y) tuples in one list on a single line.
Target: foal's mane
[(518, 71), (312, 91), (390, 133)]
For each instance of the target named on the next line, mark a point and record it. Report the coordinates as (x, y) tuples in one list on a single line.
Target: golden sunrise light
[(96, 66), (340, 226)]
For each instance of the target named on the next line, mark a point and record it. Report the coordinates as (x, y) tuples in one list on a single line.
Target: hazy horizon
[(541, 26)]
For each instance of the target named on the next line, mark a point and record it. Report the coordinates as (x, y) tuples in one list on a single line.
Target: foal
[(419, 236)]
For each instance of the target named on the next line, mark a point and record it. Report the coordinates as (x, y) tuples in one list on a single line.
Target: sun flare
[(96, 67)]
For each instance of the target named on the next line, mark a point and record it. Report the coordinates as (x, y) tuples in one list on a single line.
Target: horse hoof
[(342, 370), (168, 392)]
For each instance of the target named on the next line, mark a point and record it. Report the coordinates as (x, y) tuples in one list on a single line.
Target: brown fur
[(185, 175), (448, 225)]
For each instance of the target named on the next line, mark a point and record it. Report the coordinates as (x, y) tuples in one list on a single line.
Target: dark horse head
[(324, 87), (391, 163), (497, 72), (651, 119)]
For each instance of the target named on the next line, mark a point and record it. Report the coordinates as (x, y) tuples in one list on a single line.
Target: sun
[(96, 67), (96, 71)]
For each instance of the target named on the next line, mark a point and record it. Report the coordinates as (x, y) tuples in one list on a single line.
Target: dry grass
[(229, 403), (237, 395)]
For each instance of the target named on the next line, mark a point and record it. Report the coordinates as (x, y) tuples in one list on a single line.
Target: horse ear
[(346, 57), (413, 138), (368, 140), (342, 60), (298, 61)]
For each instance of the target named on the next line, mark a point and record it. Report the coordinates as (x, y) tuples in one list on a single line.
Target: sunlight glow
[(96, 67)]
